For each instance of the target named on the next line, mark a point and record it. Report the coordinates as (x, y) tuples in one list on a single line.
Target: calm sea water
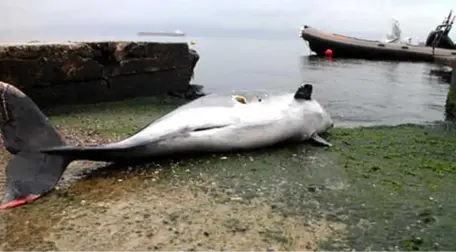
[(355, 92)]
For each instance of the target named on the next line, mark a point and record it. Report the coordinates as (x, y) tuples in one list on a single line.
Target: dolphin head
[(326, 122), (319, 118)]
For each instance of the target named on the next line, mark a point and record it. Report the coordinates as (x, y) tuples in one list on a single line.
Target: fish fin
[(317, 138), (30, 175), (25, 129), (304, 92)]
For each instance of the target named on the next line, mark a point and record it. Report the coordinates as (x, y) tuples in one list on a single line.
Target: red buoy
[(328, 53)]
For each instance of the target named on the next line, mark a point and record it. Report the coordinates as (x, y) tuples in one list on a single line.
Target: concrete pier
[(450, 105), (90, 72)]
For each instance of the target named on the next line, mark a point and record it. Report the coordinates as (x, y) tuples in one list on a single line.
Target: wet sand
[(138, 215), (367, 192)]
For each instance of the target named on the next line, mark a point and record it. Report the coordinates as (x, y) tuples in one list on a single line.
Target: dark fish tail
[(25, 130)]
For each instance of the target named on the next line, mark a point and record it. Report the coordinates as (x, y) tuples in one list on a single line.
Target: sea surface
[(355, 92)]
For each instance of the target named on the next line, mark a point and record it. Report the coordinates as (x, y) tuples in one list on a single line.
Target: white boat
[(395, 36)]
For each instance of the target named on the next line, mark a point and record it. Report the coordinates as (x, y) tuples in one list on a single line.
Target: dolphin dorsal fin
[(304, 92)]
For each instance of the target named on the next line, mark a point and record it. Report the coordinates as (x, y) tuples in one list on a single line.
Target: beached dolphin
[(212, 123)]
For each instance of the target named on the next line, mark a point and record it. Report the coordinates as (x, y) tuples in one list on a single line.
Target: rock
[(89, 72), (193, 91), (445, 75)]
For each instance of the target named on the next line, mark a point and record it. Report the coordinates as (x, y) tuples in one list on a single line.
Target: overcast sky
[(416, 17)]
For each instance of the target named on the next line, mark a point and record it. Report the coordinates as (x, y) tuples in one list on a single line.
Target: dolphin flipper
[(317, 138)]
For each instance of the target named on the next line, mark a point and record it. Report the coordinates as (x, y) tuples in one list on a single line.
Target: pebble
[(223, 158), (308, 246), (240, 229)]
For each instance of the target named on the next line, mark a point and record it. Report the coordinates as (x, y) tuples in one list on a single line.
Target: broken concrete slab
[(76, 72)]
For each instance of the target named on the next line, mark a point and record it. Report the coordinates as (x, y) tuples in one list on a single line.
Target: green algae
[(391, 186), (403, 177)]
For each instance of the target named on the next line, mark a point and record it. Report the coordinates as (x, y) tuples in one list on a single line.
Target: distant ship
[(176, 33)]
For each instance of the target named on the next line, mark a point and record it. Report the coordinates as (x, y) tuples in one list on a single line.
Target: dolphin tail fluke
[(25, 130)]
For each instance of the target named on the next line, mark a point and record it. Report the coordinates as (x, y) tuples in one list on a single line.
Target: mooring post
[(453, 76), (450, 105)]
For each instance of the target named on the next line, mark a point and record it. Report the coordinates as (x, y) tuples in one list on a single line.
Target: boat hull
[(349, 47)]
